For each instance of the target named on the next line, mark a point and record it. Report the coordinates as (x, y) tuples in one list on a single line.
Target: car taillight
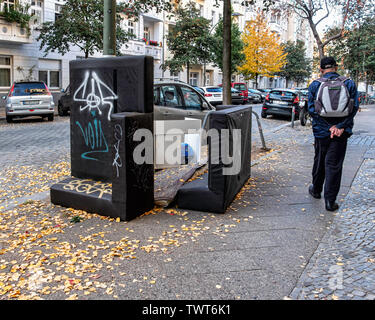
[(296, 100), (208, 95), (268, 97), (48, 92), (11, 91)]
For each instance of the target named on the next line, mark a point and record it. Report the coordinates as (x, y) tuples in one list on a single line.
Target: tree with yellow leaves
[(263, 52)]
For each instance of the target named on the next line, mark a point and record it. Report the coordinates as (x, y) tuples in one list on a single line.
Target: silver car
[(176, 100), (27, 99)]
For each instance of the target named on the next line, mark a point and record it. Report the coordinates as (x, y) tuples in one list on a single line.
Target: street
[(260, 249)]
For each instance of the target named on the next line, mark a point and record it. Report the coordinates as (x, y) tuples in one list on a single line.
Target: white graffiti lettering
[(99, 96)]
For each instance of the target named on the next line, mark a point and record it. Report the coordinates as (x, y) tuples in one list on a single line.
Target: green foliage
[(298, 67), (80, 24), (19, 14), (189, 40), (237, 47), (356, 50)]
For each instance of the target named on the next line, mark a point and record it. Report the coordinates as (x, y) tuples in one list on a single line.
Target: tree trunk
[(188, 72), (227, 54)]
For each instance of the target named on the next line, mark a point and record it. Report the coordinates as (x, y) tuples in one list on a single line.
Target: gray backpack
[(333, 99)]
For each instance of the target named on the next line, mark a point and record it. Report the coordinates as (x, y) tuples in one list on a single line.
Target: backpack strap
[(322, 79), (342, 78)]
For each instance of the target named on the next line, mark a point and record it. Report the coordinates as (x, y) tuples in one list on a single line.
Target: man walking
[(333, 103)]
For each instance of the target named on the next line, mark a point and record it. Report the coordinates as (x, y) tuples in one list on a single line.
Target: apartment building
[(20, 55)]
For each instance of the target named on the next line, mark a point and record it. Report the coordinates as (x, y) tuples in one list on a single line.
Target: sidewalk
[(343, 267), (264, 247)]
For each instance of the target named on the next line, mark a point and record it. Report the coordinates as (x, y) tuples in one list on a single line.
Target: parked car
[(64, 103), (243, 88), (362, 97), (199, 89), (213, 94), (281, 102), (303, 110), (237, 96), (255, 96), (176, 100), (27, 99), (264, 93)]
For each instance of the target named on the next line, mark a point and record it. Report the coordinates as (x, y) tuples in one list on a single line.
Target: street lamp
[(109, 28)]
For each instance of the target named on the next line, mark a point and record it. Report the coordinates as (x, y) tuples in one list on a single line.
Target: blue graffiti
[(94, 139)]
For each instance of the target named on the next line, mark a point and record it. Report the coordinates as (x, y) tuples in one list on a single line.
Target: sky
[(333, 18)]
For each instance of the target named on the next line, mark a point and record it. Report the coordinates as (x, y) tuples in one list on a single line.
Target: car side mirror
[(4, 97), (205, 106)]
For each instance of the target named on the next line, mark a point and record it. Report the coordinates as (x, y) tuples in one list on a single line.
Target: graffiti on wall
[(94, 94), (95, 97)]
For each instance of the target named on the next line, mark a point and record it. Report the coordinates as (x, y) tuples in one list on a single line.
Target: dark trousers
[(328, 163)]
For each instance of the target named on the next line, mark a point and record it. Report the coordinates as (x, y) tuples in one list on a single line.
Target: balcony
[(140, 47), (12, 32)]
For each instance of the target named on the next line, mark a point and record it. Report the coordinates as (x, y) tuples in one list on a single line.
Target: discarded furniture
[(215, 191), (112, 99)]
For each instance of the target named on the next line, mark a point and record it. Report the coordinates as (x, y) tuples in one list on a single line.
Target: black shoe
[(313, 194), (331, 205)]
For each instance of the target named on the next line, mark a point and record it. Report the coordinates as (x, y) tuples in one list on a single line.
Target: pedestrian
[(333, 103)]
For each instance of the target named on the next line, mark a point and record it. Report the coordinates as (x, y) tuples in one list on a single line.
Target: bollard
[(260, 131), (293, 115)]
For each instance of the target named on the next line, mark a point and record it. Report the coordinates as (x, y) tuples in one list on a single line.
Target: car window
[(218, 89), (241, 87), (169, 96), (286, 94), (28, 89), (191, 98)]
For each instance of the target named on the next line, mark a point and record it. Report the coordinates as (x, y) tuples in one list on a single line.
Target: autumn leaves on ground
[(49, 250)]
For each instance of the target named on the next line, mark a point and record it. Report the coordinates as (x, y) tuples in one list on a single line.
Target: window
[(37, 11), (240, 87), (169, 97), (58, 10), (193, 81), (146, 33), (191, 98), (5, 71), (50, 78), (208, 78), (201, 10), (213, 15), (175, 76), (131, 27), (9, 4)]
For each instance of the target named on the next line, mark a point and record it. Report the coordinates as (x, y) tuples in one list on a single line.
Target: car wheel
[(9, 119), (61, 110), (263, 115), (50, 117), (303, 117)]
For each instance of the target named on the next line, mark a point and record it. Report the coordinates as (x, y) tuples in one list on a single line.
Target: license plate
[(217, 95), (281, 102), (28, 103)]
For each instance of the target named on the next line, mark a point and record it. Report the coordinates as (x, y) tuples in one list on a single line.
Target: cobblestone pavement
[(343, 267)]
